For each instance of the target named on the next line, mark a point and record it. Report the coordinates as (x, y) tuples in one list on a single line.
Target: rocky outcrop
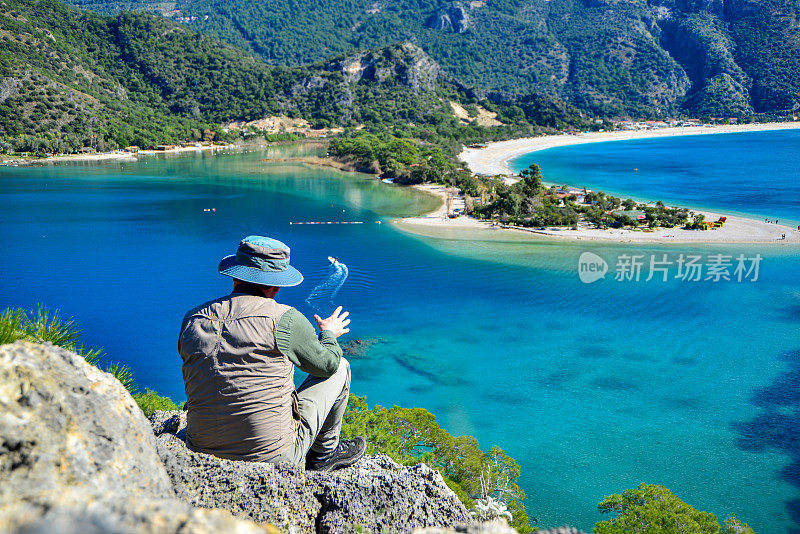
[(700, 43), (376, 494), (454, 18), (78, 456), (403, 64), (9, 88)]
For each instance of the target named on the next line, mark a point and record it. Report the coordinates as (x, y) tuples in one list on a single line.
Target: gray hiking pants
[(322, 403)]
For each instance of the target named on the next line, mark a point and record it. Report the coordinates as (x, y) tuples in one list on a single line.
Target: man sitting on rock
[(239, 353)]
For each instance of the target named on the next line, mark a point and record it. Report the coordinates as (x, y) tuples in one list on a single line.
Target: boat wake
[(321, 297)]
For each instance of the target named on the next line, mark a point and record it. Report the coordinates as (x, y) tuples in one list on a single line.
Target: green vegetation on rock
[(653, 509), (44, 326), (150, 401), (411, 435), (407, 160)]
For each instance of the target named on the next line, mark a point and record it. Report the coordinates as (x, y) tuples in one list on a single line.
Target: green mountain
[(77, 79), (643, 57), (70, 79)]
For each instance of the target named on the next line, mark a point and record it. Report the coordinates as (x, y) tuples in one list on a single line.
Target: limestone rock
[(78, 456), (403, 64), (382, 495), (498, 526), (65, 424), (376, 493), (453, 18), (258, 491)]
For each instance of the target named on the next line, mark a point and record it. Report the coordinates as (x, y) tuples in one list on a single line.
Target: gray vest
[(241, 403)]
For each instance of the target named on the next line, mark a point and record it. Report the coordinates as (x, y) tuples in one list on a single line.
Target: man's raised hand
[(336, 323)]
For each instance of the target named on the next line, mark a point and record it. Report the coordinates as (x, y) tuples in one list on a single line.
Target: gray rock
[(404, 64), (169, 423), (148, 516), (78, 455), (498, 526), (9, 88), (453, 18), (381, 495), (262, 492), (376, 493), (65, 423)]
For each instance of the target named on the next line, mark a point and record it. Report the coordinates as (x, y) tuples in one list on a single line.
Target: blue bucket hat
[(261, 260)]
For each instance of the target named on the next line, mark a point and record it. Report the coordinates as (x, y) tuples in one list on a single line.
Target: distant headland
[(493, 160)]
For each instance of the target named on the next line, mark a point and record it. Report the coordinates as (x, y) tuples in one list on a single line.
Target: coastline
[(494, 159), (736, 230), (116, 155), (328, 162)]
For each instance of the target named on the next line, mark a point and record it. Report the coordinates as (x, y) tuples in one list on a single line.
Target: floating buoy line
[(327, 222)]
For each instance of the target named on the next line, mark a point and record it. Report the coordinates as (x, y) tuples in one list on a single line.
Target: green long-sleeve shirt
[(317, 355)]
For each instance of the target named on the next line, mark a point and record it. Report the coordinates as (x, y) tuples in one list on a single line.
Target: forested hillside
[(70, 79), (78, 79), (641, 57)]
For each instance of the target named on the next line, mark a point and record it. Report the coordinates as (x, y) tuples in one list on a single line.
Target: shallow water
[(592, 388)]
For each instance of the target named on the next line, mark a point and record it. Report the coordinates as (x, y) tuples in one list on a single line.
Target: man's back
[(240, 389), (239, 354)]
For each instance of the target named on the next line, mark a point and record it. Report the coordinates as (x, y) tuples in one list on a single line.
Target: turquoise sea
[(751, 173), (593, 388)]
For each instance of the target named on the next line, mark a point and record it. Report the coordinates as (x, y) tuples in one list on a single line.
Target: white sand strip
[(736, 230), (494, 159)]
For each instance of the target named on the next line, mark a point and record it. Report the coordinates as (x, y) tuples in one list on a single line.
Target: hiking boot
[(348, 452)]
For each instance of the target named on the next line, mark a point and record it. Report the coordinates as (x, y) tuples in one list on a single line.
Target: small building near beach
[(634, 215)]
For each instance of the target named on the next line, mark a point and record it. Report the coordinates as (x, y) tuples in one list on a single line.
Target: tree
[(512, 204), (531, 181), (469, 204), (653, 509), (733, 525), (698, 223), (411, 435)]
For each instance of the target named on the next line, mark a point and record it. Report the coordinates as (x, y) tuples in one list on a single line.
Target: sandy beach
[(116, 155), (495, 158), (736, 230)]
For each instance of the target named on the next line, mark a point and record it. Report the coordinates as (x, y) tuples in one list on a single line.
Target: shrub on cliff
[(150, 401), (44, 326), (411, 436), (654, 509)]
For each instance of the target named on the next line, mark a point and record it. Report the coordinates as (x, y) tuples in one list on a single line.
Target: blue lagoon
[(593, 388)]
